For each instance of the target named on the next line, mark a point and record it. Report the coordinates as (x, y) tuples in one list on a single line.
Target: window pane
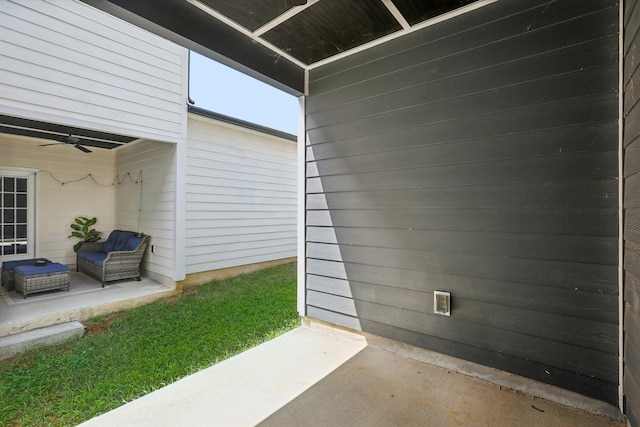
[(21, 231), (21, 200), (21, 249), (9, 200), (8, 250), (8, 215), (21, 185), (21, 216), (8, 232), (9, 184)]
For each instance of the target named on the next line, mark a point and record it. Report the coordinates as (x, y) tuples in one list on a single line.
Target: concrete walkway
[(243, 390), (320, 376)]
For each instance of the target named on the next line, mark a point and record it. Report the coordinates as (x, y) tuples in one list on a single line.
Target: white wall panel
[(65, 62), (145, 200), (241, 196)]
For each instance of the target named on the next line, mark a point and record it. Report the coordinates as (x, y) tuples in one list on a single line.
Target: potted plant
[(82, 230)]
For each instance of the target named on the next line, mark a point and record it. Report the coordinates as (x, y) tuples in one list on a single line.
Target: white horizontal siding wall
[(63, 61), (241, 196), (145, 201), (57, 205)]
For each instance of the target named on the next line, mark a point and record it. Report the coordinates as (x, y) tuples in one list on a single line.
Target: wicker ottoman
[(8, 270), (31, 279)]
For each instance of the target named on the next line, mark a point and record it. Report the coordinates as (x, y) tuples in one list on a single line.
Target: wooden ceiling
[(316, 30), (277, 40)]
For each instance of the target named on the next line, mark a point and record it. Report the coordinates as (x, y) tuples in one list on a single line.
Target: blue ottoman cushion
[(11, 265), (30, 270)]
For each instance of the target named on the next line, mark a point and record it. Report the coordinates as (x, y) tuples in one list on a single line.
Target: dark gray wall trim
[(478, 156), (631, 110)]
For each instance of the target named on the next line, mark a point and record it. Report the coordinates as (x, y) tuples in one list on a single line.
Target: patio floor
[(86, 298), (321, 376)]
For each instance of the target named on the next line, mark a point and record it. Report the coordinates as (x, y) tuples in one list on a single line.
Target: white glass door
[(16, 214)]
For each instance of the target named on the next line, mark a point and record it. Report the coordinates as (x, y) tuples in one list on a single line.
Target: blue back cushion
[(110, 244), (133, 243), (122, 244)]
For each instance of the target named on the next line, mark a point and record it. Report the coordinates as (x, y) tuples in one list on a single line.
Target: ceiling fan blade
[(54, 143), (81, 148)]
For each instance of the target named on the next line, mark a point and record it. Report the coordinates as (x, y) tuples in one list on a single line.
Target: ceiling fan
[(69, 140)]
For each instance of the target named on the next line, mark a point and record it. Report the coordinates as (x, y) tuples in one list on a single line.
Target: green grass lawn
[(134, 352)]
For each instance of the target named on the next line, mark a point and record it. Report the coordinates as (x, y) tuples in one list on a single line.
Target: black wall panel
[(478, 156), (632, 210)]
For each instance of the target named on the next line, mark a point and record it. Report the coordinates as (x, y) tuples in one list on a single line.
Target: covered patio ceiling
[(278, 40), (60, 134)]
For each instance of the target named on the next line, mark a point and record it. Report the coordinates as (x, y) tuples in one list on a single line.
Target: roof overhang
[(277, 41)]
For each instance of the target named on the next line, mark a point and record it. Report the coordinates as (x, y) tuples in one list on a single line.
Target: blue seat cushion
[(31, 270), (96, 258), (110, 244), (11, 265)]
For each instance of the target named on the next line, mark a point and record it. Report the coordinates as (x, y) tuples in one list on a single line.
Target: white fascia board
[(302, 214), (396, 14), (282, 18)]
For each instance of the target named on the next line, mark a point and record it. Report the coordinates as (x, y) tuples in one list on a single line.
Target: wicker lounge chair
[(118, 257)]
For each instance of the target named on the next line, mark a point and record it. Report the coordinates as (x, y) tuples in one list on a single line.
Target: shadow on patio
[(86, 298)]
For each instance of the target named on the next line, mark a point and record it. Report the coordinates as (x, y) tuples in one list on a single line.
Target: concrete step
[(12, 345)]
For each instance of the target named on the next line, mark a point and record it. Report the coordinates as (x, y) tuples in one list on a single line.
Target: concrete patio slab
[(316, 375), (379, 388), (86, 298)]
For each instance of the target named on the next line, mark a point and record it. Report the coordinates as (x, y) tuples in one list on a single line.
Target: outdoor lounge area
[(119, 257)]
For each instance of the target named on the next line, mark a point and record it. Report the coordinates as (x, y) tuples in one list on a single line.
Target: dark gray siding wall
[(478, 156), (632, 209)]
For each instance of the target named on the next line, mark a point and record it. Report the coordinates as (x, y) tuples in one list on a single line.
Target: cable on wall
[(88, 176), (117, 180), (140, 198)]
